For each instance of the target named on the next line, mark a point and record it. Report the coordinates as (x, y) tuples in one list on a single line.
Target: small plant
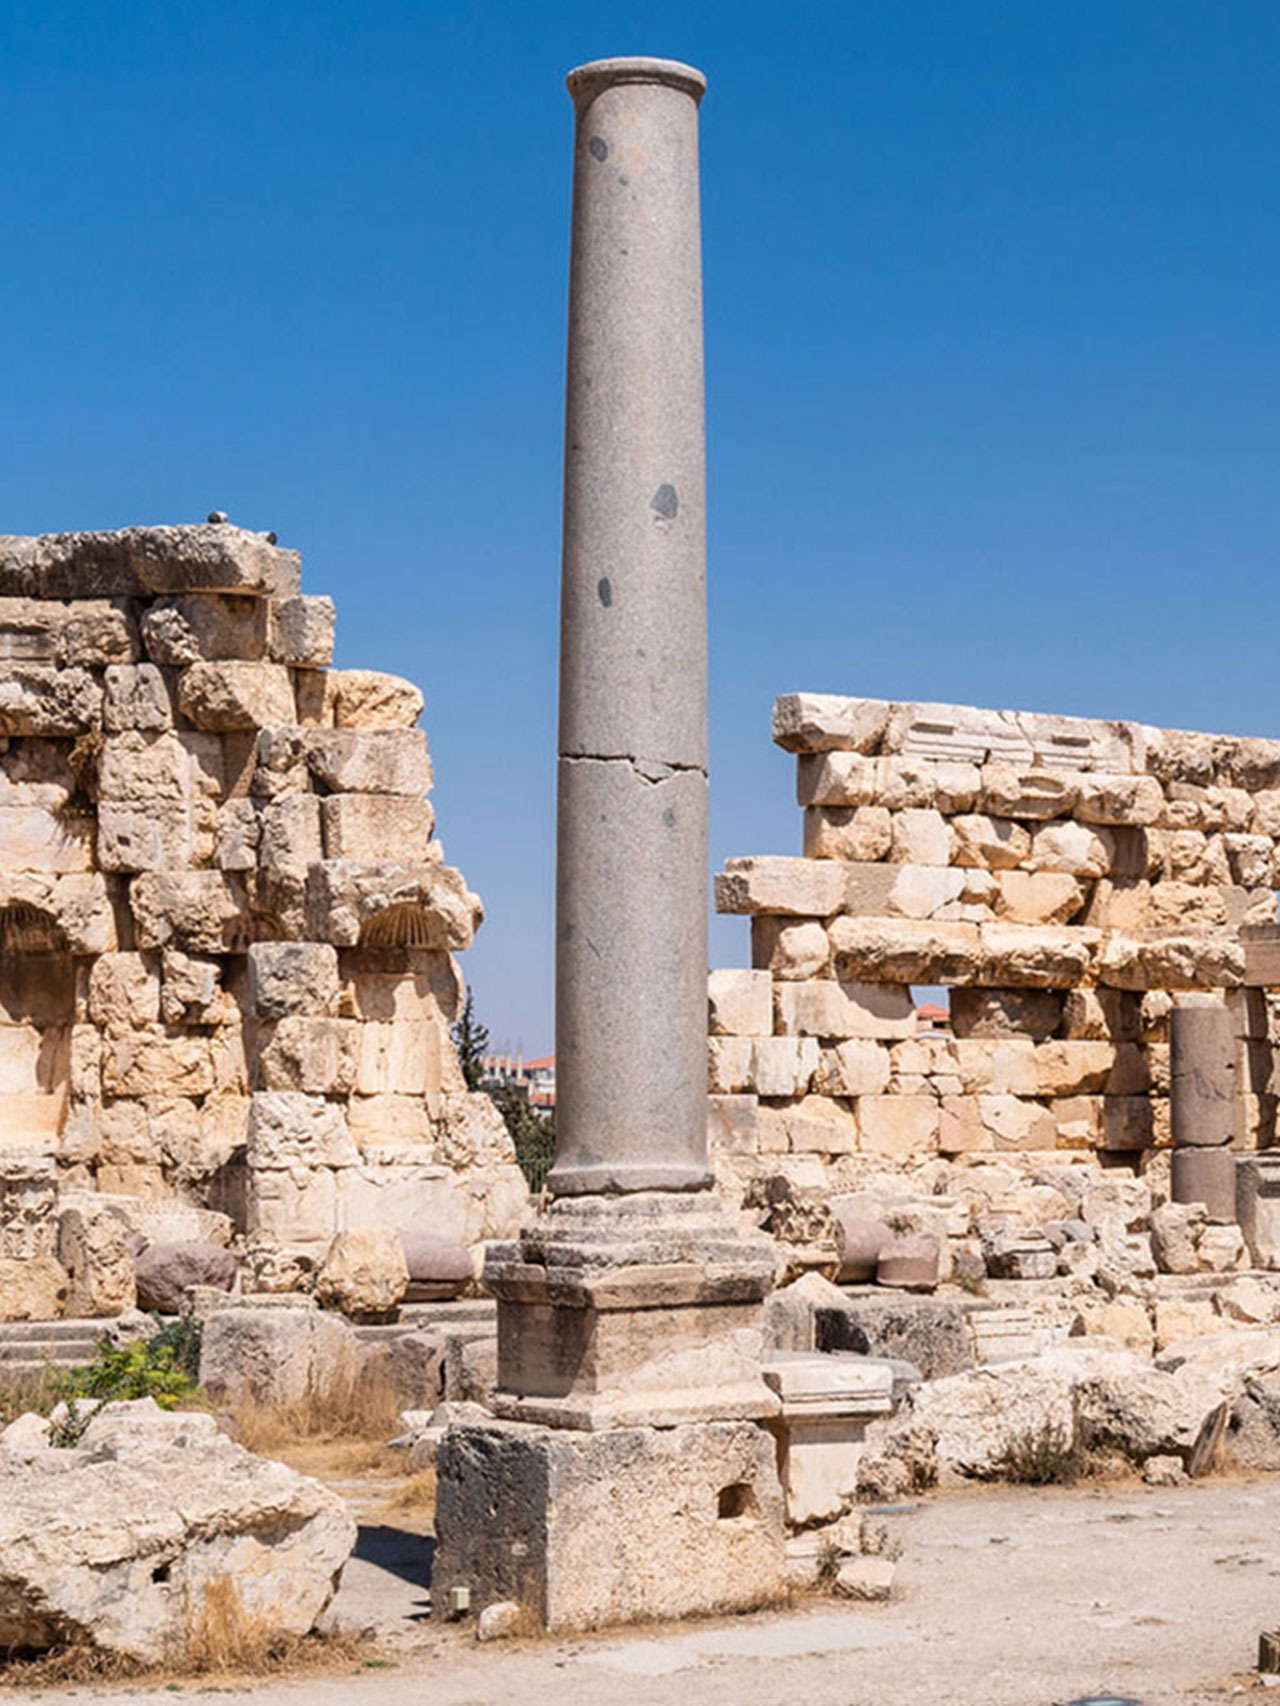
[(1039, 1457), (163, 1368), (830, 1555), (968, 1281), (875, 1541)]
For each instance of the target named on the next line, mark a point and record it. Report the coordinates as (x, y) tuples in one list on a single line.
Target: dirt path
[(1007, 1598)]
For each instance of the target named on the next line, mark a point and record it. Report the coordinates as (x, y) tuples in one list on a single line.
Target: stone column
[(1202, 1106), (631, 931)]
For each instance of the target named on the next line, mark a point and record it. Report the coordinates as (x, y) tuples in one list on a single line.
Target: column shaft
[(631, 933)]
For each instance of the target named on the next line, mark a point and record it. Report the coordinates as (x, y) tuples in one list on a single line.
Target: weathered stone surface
[(32, 1288), (142, 562), (95, 1247), (823, 722), (38, 700), (293, 978), (740, 1003), (380, 761), (799, 887), (300, 631), (898, 951), (368, 826), (205, 627), (138, 1550), (234, 695), (277, 1357), (364, 1272), (352, 902), (364, 699), (611, 1527), (202, 912), (163, 1272), (825, 1008)]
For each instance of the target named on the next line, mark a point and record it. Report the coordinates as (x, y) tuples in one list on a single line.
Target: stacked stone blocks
[(1068, 880), (227, 934)]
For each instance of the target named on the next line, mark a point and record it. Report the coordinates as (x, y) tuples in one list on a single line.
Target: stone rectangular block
[(899, 1128), (142, 562), (812, 888), (825, 722), (368, 826), (829, 1009), (287, 978), (740, 1003), (233, 695), (588, 1529), (376, 761), (300, 631)]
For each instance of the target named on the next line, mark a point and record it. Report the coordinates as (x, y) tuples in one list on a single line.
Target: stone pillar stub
[(631, 926), (1202, 1075)]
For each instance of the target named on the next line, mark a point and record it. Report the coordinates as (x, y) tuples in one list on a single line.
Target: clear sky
[(992, 358)]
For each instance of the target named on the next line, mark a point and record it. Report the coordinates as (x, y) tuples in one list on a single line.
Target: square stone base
[(589, 1529)]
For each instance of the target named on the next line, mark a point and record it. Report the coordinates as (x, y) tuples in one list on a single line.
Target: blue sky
[(992, 368)]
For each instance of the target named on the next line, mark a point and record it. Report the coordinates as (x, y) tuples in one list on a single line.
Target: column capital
[(585, 82)]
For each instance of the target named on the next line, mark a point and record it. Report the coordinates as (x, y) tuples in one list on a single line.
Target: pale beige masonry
[(1069, 880), (226, 935)]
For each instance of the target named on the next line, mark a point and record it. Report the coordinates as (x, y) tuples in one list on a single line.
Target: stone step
[(87, 1329), (65, 1353)]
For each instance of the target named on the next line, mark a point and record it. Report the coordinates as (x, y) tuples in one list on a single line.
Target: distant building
[(533, 1079), (932, 1019)]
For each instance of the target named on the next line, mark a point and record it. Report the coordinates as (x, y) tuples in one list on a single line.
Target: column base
[(638, 1310), (583, 1530)]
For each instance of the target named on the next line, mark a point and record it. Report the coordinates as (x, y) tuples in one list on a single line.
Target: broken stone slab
[(146, 1553), (368, 699), (826, 722), (144, 562), (277, 1357), (364, 1272)]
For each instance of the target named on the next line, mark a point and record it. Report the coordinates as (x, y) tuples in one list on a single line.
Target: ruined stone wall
[(226, 934), (1066, 880)]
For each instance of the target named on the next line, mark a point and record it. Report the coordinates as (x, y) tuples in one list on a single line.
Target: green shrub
[(1040, 1457)]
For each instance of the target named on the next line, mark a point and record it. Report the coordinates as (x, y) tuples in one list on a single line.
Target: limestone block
[(366, 826), (1179, 906), (83, 1061), (991, 843), (45, 838), (136, 697), (1123, 904), (805, 888), (1012, 1123), (95, 1248), (426, 905), (847, 832), (203, 912), (906, 950), (408, 1057), (1096, 1014), (365, 699), (1196, 858), (782, 1066), (191, 992), (1250, 858), (825, 1008), (1039, 897), (280, 762), (95, 632), (997, 1064), (277, 1357), (290, 836), (124, 992), (374, 761), (205, 627), (364, 1272), (1130, 800), (288, 1129), (143, 1063), (1127, 1122), (165, 836), (28, 1204), (1073, 848), (1029, 956), (316, 1055), (1008, 790), (733, 1123), (960, 1127), (421, 985), (824, 722), (1186, 959), (293, 978), (740, 1003), (812, 1126), (856, 1067), (617, 1526), (729, 1065), (36, 699), (30, 630), (920, 891), (236, 836), (789, 949), (30, 1059), (235, 695), (300, 631), (140, 562), (920, 837), (900, 1128), (1073, 1068), (32, 1288)]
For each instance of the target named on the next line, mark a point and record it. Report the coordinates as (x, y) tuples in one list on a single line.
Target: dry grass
[(361, 1414), (416, 1494)]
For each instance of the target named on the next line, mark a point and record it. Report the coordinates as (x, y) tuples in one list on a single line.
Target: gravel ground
[(1004, 1598)]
